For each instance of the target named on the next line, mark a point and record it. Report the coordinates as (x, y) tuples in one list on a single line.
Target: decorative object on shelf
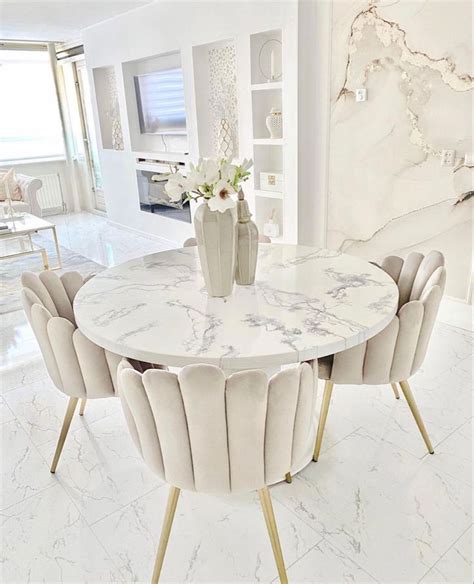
[(114, 111), (271, 181), (117, 137), (269, 60), (274, 122), (215, 220), (247, 243), (223, 99), (226, 145), (11, 192), (271, 227)]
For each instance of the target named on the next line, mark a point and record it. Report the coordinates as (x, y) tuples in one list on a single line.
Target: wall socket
[(361, 94), (448, 157)]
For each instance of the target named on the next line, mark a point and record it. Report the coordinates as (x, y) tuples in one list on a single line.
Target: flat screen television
[(160, 101)]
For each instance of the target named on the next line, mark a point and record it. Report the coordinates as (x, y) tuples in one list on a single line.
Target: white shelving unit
[(269, 154)]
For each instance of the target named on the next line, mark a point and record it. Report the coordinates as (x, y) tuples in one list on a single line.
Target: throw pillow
[(8, 183)]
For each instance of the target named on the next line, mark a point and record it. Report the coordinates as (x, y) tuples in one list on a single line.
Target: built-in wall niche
[(215, 82), (153, 197), (154, 94), (269, 211), (266, 57), (105, 85), (263, 103), (268, 159)]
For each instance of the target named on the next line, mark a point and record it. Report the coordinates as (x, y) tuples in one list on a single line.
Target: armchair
[(29, 186)]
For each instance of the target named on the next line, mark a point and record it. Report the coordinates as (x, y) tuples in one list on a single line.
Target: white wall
[(155, 29)]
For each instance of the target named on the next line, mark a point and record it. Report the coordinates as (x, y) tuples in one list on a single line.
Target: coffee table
[(22, 228)]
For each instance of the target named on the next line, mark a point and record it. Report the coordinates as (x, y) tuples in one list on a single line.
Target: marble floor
[(375, 508)]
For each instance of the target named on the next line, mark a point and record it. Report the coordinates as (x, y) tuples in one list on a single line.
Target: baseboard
[(456, 312)]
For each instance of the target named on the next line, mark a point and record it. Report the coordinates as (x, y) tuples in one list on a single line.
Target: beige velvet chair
[(201, 431), (77, 367), (398, 351)]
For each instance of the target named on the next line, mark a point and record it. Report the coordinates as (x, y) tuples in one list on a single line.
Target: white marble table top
[(306, 303)]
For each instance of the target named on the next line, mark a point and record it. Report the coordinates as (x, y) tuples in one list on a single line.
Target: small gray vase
[(247, 244), (216, 235)]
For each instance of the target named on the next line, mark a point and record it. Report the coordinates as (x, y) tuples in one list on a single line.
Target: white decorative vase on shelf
[(247, 244), (216, 235), (117, 136), (224, 138), (274, 122)]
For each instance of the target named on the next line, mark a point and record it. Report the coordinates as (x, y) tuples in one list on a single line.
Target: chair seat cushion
[(20, 206)]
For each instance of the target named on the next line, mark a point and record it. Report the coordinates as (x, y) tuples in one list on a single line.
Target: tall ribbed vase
[(216, 235), (247, 244)]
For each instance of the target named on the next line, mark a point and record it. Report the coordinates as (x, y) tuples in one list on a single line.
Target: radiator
[(50, 195)]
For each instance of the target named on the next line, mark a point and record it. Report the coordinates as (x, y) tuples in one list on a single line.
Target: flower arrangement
[(213, 180)]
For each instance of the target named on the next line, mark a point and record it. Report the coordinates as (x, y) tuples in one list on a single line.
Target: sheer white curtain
[(30, 125)]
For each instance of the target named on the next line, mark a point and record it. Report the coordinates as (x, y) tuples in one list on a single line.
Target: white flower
[(228, 172), (222, 200), (176, 186), (246, 164), (210, 170)]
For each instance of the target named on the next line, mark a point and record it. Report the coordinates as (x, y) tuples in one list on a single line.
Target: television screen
[(160, 99)]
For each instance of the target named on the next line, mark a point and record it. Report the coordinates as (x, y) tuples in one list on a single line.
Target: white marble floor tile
[(40, 408), (213, 539), (6, 415), (23, 470), (399, 503), (100, 468), (454, 455), (22, 373), (455, 566), (45, 539), (326, 564)]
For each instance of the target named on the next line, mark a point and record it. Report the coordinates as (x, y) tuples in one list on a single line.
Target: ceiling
[(58, 21)]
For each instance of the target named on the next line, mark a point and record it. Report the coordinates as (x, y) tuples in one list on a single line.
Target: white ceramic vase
[(247, 244), (216, 235), (226, 145), (274, 122)]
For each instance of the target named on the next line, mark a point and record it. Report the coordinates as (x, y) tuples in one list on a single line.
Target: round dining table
[(306, 303)]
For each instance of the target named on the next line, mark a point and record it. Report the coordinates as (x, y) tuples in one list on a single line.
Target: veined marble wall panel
[(388, 192)]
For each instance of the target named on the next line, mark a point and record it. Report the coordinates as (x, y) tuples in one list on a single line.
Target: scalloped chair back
[(201, 431), (396, 353)]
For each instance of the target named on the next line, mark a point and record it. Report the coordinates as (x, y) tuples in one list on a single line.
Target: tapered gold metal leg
[(395, 390), (165, 532), (322, 418), (267, 508), (416, 414), (288, 477), (64, 430), (83, 407)]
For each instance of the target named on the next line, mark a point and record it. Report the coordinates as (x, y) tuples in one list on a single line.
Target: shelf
[(266, 86), (268, 141), (268, 194)]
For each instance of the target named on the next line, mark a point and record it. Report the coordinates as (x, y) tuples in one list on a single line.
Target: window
[(30, 126)]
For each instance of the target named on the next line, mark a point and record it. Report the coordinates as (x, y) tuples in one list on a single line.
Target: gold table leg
[(267, 508), (64, 430), (83, 407), (165, 532), (416, 414), (322, 418), (56, 243)]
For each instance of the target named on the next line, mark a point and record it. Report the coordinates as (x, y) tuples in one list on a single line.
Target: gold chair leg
[(64, 430), (416, 414), (83, 407), (322, 418), (165, 532), (395, 390), (267, 508), (288, 478)]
